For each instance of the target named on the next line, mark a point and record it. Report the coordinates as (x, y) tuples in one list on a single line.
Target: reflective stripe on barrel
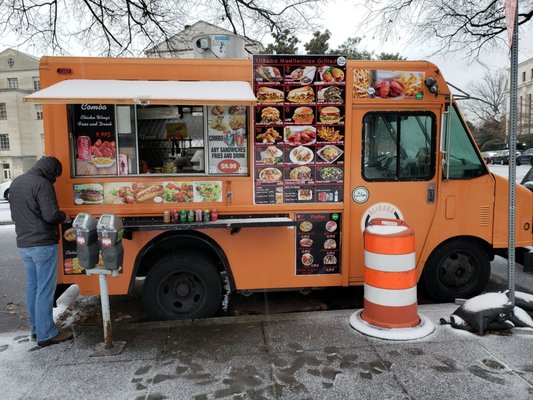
[(390, 277)]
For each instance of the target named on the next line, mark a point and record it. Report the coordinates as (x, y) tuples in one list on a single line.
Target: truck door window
[(398, 146), (464, 160)]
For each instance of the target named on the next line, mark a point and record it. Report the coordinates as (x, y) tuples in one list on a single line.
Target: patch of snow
[(523, 316), (524, 296), (486, 301), (66, 299)]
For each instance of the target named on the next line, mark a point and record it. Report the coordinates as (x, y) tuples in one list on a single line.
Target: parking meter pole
[(108, 347), (106, 314)]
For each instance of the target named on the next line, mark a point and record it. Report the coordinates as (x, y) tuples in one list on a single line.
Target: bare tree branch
[(128, 27), (466, 26)]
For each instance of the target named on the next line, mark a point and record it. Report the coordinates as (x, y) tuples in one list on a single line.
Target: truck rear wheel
[(456, 269), (182, 287)]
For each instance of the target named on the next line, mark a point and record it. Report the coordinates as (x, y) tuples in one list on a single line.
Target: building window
[(39, 111), (6, 171), (36, 83), (3, 111), (4, 141), (12, 83), (524, 76), (10, 62)]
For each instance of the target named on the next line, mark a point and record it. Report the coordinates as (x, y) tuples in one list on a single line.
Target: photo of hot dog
[(150, 193)]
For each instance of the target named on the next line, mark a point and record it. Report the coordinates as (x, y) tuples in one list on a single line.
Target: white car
[(4, 190)]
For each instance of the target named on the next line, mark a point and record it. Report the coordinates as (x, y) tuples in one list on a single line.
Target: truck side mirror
[(86, 240), (110, 233)]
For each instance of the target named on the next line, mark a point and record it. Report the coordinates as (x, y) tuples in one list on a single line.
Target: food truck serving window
[(399, 146), (108, 139)]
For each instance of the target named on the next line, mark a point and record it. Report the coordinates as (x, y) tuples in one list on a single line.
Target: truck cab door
[(393, 175)]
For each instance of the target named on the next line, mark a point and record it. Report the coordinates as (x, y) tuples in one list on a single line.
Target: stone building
[(21, 125), (180, 45), (524, 98)]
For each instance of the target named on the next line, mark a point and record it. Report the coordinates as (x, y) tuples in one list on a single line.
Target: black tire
[(531, 161), (6, 195), (182, 287), (457, 269), (518, 163)]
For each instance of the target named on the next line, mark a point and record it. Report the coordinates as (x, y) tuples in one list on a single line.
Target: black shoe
[(60, 337)]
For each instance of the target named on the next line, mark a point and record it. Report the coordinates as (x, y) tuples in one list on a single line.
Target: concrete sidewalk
[(314, 355)]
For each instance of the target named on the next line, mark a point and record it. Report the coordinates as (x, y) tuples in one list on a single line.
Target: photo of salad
[(207, 191)]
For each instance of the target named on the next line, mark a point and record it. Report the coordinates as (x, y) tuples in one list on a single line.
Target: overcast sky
[(456, 69)]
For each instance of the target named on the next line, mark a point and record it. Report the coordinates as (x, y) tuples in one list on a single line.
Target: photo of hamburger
[(270, 115), (269, 95), (303, 115), (330, 115), (90, 193), (304, 94)]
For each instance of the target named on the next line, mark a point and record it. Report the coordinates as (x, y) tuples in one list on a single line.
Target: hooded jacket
[(33, 203)]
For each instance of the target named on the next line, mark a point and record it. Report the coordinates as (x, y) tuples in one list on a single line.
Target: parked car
[(502, 157), (526, 158), (487, 156), (4, 190)]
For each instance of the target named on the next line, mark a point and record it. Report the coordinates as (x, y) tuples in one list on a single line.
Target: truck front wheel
[(182, 287), (456, 269)]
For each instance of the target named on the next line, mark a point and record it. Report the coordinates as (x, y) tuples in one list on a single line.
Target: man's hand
[(67, 220)]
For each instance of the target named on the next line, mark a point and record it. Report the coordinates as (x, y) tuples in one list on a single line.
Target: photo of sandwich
[(303, 115), (330, 115), (269, 95), (268, 74), (89, 193), (304, 94), (270, 115)]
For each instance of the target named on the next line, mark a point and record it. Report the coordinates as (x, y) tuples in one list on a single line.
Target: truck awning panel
[(80, 91)]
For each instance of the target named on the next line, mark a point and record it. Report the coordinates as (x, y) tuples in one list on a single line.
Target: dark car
[(526, 158), (502, 157)]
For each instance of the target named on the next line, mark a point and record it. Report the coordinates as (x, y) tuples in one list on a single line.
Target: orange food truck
[(249, 175)]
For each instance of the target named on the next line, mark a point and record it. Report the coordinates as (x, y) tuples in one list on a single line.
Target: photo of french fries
[(411, 82), (362, 80)]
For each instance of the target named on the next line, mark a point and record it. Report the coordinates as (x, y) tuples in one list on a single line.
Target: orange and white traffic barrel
[(390, 300)]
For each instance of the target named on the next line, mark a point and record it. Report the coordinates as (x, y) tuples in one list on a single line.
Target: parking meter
[(110, 231), (86, 240)]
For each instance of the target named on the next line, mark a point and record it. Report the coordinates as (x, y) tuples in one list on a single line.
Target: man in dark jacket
[(36, 214)]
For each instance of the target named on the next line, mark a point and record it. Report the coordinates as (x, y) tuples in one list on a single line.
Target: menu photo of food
[(303, 115), (268, 135), (269, 155), (301, 74), (330, 154), (88, 193), (267, 94), (301, 155), (302, 173), (269, 115), (208, 191), (331, 94), (330, 174), (331, 115), (268, 73), (331, 74), (330, 134), (387, 84), (178, 192), (302, 94), (297, 135), (133, 192), (270, 175)]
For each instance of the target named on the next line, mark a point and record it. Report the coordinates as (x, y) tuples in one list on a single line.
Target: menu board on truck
[(318, 243), (93, 128), (299, 128), (227, 128)]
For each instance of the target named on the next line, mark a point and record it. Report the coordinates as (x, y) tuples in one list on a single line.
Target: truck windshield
[(464, 160), (399, 146)]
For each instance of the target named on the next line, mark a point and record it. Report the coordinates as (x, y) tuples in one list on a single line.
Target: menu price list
[(299, 129), (318, 246)]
